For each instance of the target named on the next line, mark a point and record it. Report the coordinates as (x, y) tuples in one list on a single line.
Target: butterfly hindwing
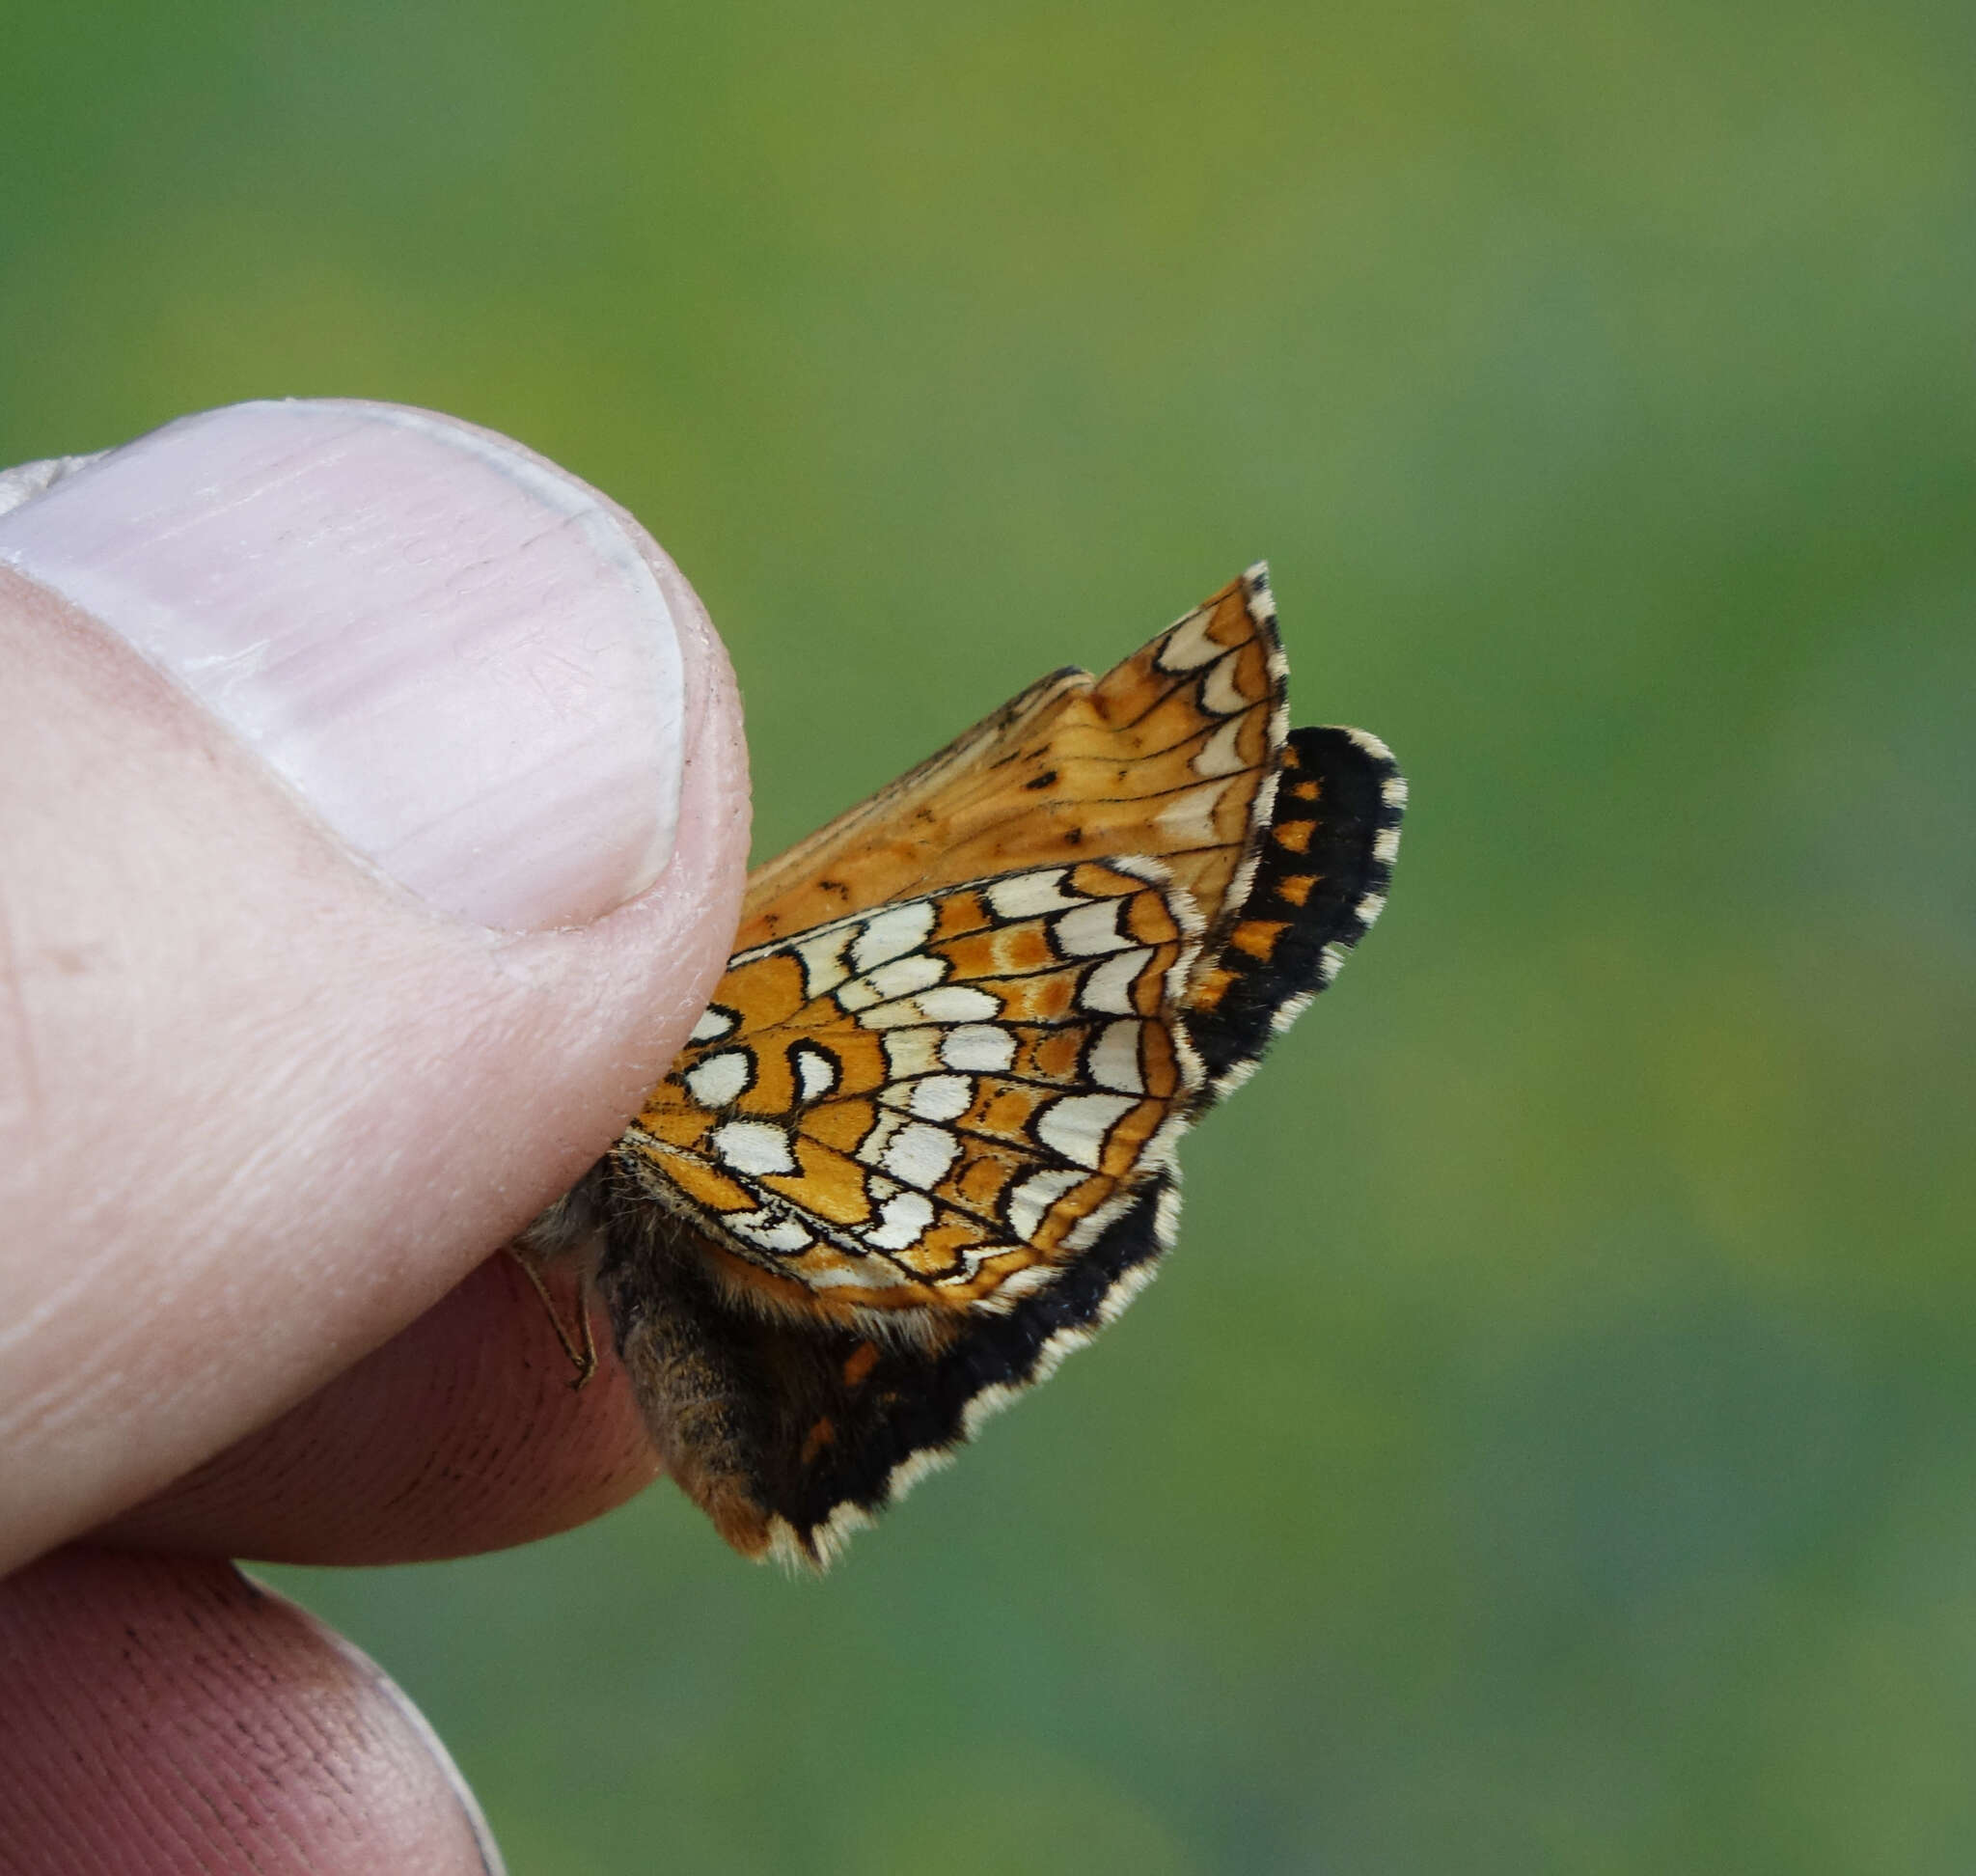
[(921, 1143), (928, 1108), (792, 1436)]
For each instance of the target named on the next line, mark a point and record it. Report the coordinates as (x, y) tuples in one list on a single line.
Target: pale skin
[(267, 1121)]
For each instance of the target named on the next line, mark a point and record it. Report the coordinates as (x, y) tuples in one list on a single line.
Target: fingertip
[(458, 655), (279, 1105), (463, 1433), (167, 1714)]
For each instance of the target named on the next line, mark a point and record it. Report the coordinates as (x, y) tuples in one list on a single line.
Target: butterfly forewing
[(921, 1142), (1171, 756)]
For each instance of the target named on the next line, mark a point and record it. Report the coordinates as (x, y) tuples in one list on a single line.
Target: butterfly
[(921, 1145)]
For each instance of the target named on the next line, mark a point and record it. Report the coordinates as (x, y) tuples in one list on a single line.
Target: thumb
[(372, 831)]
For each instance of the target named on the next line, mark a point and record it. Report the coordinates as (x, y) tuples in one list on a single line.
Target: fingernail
[(460, 656)]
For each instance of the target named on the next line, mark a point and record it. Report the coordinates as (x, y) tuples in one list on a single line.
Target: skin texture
[(267, 1116), (186, 1721)]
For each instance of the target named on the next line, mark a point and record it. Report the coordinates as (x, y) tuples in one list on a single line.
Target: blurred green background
[(1550, 1446)]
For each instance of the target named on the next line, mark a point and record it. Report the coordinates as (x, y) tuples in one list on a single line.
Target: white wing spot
[(976, 1049), (721, 1078), (920, 1156), (901, 1223), (1189, 644), (1220, 690), (1222, 753), (752, 1146), (714, 1023), (895, 931), (1110, 986), (823, 959), (769, 1229), (1028, 896), (901, 978), (1077, 1125), (1091, 930), (941, 1097), (1189, 819), (1115, 1059), (871, 1149), (1035, 1195), (816, 1071), (914, 1052), (952, 1003)]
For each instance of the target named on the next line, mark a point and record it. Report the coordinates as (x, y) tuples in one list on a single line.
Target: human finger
[(168, 1715), (310, 1003)]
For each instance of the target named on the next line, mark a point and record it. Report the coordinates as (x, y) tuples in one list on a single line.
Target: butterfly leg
[(581, 1347)]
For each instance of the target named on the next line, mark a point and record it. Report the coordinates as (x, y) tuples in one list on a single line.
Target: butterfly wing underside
[(1171, 756), (922, 1145)]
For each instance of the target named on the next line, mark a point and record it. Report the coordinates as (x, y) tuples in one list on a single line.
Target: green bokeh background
[(1550, 1449)]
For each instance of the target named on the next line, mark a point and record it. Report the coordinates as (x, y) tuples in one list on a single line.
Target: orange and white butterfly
[(922, 1144)]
